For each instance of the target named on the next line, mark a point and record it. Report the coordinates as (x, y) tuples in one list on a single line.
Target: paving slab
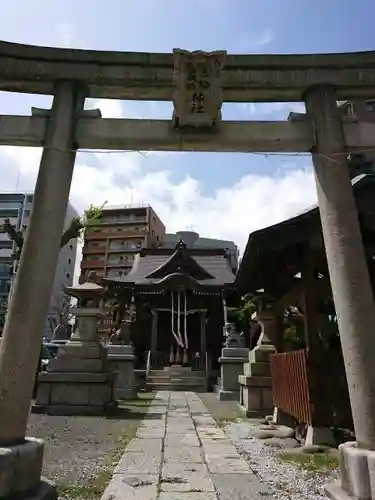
[(182, 454), (150, 433), (188, 439), (187, 481), (218, 465), (239, 487), (225, 450), (132, 488), (145, 445), (177, 468), (211, 432), (187, 495), (139, 463)]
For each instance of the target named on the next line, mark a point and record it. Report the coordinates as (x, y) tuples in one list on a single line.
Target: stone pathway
[(180, 453)]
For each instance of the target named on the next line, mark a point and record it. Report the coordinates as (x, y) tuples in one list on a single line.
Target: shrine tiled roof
[(208, 267)]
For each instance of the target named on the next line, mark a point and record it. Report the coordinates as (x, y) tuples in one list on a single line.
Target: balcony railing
[(91, 264), (119, 264), (94, 250), (124, 249), (108, 233)]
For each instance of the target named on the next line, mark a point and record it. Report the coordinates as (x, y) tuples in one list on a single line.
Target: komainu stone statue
[(232, 337), (197, 97)]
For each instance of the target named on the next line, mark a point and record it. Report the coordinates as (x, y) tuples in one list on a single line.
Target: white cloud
[(230, 212), (271, 108), (264, 39)]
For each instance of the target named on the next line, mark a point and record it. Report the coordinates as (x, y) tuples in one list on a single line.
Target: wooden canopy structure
[(310, 383), (284, 249)]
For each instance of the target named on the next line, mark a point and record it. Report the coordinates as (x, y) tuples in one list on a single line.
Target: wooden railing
[(290, 385)]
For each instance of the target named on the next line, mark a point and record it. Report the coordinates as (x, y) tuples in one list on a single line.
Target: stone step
[(190, 382), (167, 373), (175, 387), (176, 375), (177, 368)]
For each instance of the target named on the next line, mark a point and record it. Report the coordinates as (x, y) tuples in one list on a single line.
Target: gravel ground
[(80, 452), (285, 481)]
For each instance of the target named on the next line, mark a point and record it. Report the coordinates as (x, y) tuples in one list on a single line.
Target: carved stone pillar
[(202, 316), (154, 336), (351, 287)]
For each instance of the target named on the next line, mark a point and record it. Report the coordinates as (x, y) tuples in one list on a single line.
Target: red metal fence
[(315, 393), (290, 384)]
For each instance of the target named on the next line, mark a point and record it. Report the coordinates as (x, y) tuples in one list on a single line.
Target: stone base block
[(250, 413), (75, 393), (320, 436), (228, 395), (256, 395), (279, 417), (261, 353), (125, 393), (20, 472), (121, 361), (357, 467), (231, 361)]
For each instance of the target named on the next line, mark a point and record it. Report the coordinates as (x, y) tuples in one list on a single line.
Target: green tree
[(241, 316)]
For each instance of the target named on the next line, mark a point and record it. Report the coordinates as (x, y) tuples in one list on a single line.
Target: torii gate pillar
[(22, 457), (351, 288)]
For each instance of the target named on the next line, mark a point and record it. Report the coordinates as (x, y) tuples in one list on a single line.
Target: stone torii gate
[(197, 83)]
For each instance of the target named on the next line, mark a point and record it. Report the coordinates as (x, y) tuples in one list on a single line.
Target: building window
[(370, 106), (67, 275), (71, 247), (69, 260)]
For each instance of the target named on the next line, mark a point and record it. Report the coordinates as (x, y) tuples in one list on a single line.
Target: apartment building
[(362, 111), (111, 245), (17, 208), (193, 239)]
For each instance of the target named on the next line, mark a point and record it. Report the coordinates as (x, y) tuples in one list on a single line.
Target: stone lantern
[(256, 382), (78, 380)]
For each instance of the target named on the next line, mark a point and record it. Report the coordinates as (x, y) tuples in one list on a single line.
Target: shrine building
[(179, 297)]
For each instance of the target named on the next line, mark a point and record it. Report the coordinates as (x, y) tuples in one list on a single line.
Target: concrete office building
[(17, 208), (193, 240)]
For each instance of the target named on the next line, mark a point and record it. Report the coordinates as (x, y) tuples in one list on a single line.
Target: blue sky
[(221, 195)]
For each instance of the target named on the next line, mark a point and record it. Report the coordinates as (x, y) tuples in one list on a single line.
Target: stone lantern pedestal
[(121, 357), (256, 382), (78, 381)]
